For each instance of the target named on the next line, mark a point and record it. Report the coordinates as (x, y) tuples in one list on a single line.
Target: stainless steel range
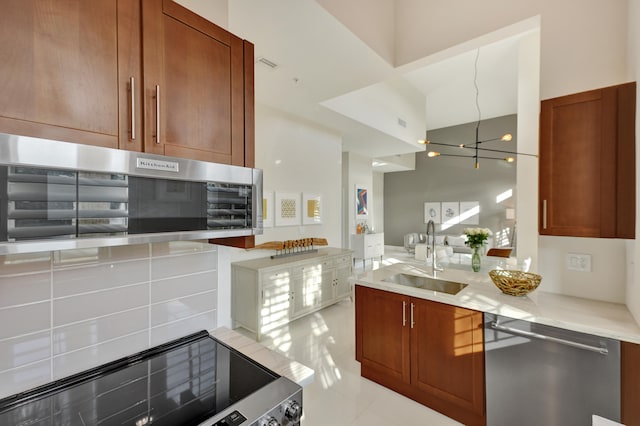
[(195, 380)]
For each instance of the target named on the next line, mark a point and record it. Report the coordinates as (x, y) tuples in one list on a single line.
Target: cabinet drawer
[(342, 260), (275, 277), (312, 268)]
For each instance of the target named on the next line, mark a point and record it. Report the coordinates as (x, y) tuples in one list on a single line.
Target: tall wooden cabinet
[(428, 351), (587, 164), (143, 75)]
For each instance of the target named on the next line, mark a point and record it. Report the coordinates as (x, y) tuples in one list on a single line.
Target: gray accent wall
[(452, 179)]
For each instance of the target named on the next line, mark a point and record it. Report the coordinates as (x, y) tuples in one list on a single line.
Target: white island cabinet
[(268, 293), (367, 246)]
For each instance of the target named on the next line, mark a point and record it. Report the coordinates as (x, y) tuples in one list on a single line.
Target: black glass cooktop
[(181, 383)]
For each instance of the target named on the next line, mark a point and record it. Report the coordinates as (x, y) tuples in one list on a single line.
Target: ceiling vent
[(267, 62)]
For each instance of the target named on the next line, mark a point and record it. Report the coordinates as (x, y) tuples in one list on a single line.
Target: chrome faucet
[(431, 251)]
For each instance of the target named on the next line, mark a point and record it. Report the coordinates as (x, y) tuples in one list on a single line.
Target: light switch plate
[(579, 262)]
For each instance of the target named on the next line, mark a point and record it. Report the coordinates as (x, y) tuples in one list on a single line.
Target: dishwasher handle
[(598, 349)]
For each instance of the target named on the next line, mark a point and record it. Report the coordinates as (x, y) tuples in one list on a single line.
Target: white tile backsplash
[(167, 332), (24, 263), (97, 330), (91, 305), (173, 288), (24, 350), (21, 289), (173, 310), (27, 377), (18, 320), (89, 256), (67, 363), (185, 264), (70, 281), (66, 311)]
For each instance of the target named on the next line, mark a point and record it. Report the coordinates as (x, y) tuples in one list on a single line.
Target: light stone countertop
[(274, 361), (267, 262), (604, 319)]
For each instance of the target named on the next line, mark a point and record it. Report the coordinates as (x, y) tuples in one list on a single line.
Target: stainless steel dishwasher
[(542, 375)]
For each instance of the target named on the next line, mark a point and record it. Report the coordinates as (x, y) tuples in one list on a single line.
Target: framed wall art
[(432, 212), (450, 213), (469, 212), (362, 208), (287, 209), (267, 209), (312, 209)]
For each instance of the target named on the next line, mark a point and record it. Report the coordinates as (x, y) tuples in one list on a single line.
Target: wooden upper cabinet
[(194, 85), (61, 63), (587, 164), (73, 71)]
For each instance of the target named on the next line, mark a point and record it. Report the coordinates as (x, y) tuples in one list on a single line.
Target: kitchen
[(321, 156)]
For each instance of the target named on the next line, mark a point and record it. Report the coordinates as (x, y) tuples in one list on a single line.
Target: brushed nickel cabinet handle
[(132, 86), (412, 322), (544, 214), (157, 113), (404, 313)]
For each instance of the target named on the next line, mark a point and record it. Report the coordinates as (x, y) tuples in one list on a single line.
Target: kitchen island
[(430, 346), (604, 319)]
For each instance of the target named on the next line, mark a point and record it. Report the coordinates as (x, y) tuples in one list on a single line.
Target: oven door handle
[(598, 349)]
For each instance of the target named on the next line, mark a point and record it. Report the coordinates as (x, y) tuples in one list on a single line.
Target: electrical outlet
[(579, 262)]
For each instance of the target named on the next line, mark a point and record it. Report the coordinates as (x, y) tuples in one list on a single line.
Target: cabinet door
[(587, 164), (312, 285), (342, 273), (358, 246), (382, 333), (194, 85), (275, 308), (61, 68), (447, 358)]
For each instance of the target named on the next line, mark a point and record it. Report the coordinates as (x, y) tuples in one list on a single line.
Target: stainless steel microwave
[(57, 195)]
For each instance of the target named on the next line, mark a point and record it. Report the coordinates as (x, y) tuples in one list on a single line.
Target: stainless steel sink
[(442, 286)]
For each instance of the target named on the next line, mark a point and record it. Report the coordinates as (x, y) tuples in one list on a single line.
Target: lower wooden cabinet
[(428, 351), (630, 382), (268, 293)]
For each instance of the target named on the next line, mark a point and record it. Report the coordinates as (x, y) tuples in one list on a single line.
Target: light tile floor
[(325, 341)]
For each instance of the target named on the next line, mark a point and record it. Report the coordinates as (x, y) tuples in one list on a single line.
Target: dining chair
[(499, 252)]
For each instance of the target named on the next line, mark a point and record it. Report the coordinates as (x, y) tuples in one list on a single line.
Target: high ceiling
[(327, 75)]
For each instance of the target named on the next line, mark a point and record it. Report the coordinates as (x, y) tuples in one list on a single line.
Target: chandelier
[(475, 149)]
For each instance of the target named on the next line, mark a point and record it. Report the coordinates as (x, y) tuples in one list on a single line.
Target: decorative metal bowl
[(515, 283)]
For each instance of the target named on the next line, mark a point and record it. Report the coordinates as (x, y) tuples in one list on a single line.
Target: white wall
[(584, 42), (372, 20), (528, 126), (300, 157), (216, 11), (383, 106), (583, 45), (359, 172), (607, 278), (378, 202), (296, 156), (62, 312)]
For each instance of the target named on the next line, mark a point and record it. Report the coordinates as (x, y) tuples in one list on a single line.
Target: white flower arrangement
[(476, 237)]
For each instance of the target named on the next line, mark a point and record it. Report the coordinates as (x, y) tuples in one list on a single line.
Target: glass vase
[(475, 259)]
